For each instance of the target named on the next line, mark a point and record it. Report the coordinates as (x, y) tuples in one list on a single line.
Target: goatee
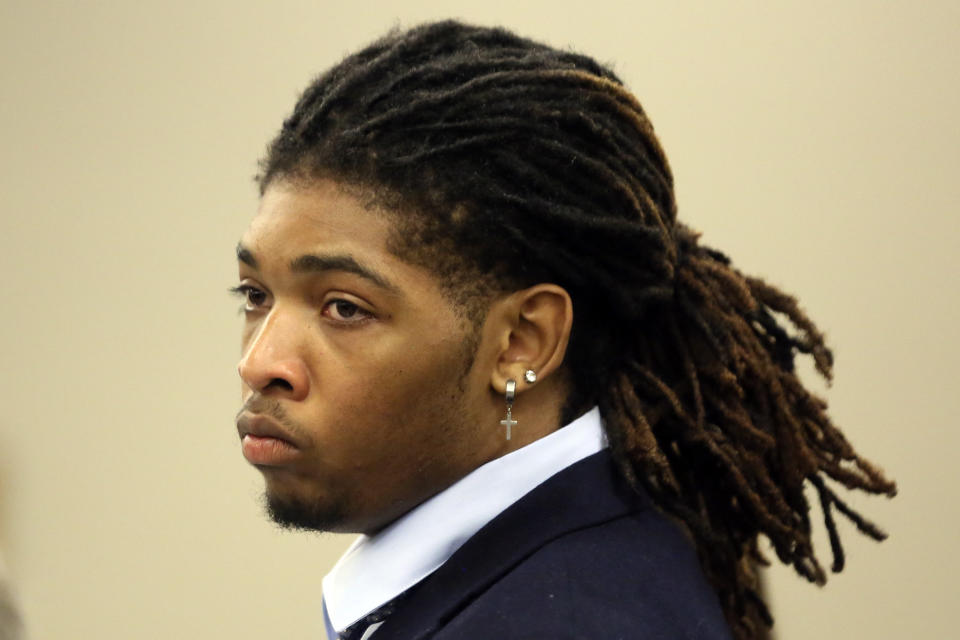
[(302, 515)]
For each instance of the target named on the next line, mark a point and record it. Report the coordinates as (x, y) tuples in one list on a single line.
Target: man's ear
[(534, 328)]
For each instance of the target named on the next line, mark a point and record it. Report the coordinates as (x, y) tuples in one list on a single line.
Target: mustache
[(257, 403)]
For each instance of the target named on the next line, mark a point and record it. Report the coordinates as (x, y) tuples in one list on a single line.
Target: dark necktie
[(355, 631)]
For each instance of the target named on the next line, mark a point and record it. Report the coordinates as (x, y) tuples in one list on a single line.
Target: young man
[(477, 334)]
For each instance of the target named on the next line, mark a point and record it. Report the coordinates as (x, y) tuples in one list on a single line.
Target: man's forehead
[(300, 218)]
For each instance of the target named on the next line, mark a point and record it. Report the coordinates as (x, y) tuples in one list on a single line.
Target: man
[(477, 334)]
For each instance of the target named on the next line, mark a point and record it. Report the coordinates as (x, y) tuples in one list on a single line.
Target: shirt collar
[(376, 569)]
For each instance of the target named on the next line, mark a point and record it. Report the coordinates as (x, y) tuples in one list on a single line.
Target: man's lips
[(265, 442), (262, 426)]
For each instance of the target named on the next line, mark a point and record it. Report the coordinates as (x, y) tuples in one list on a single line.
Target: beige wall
[(815, 142)]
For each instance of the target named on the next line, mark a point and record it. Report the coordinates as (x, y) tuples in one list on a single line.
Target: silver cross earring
[(511, 394)]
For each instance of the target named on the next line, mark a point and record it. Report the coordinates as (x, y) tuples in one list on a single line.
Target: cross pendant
[(508, 423)]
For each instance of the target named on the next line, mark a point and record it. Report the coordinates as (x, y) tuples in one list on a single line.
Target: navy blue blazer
[(579, 557)]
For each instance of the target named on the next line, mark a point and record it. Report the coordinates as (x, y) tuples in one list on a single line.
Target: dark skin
[(354, 365)]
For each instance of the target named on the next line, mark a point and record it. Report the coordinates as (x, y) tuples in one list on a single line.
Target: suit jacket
[(582, 556)]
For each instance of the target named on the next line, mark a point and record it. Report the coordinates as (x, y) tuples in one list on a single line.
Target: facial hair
[(298, 514)]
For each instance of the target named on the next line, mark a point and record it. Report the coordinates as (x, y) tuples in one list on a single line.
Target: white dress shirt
[(376, 569)]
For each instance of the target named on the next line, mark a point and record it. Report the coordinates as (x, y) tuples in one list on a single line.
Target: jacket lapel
[(584, 494)]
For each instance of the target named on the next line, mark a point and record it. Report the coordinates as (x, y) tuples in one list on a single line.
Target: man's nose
[(272, 362)]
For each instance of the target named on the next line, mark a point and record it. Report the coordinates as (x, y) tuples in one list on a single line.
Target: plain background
[(815, 142)]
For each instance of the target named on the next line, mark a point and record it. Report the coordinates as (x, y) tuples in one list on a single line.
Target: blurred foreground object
[(11, 625)]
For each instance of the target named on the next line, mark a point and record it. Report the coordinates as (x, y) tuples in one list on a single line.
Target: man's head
[(380, 390), (453, 205), (493, 171), (507, 164)]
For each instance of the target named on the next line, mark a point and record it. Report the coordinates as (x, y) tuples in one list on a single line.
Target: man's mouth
[(269, 452), (264, 442)]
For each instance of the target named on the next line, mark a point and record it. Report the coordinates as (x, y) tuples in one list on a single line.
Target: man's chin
[(304, 515)]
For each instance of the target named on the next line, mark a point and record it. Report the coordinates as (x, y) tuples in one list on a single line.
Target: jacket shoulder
[(634, 576)]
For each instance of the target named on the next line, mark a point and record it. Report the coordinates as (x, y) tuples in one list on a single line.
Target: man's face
[(360, 400)]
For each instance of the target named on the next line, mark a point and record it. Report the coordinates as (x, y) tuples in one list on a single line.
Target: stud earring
[(511, 393), (530, 376)]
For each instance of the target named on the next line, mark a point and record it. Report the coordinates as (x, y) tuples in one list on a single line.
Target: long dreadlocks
[(506, 153)]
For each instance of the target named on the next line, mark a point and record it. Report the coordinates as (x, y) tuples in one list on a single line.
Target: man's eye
[(254, 297), (344, 310)]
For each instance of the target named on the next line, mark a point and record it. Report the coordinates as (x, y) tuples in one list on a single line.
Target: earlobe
[(536, 330)]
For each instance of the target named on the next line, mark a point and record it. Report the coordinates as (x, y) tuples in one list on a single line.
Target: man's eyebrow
[(244, 256), (312, 263)]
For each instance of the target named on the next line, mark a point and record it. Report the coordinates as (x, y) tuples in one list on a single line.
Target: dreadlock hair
[(515, 163)]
